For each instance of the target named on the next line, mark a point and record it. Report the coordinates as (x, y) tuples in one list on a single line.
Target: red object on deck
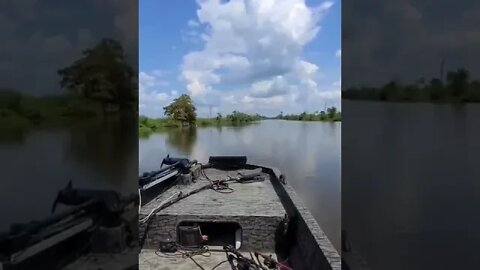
[(283, 266)]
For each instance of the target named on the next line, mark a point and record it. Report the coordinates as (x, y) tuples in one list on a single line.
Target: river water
[(37, 163), (410, 184), (308, 153)]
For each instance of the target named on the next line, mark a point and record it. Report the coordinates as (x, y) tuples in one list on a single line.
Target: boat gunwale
[(295, 208), (287, 196)]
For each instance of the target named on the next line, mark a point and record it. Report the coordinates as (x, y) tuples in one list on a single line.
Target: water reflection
[(414, 194), (14, 135), (98, 154), (308, 153), (104, 147), (182, 138)]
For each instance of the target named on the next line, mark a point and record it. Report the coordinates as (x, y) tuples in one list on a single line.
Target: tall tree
[(102, 74), (182, 110), (331, 112), (457, 81), (219, 117)]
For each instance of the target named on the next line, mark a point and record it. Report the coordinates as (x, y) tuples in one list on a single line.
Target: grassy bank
[(330, 115), (398, 93), (21, 112), (210, 122), (457, 88), (149, 125)]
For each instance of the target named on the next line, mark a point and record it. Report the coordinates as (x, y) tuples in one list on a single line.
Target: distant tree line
[(17, 106), (181, 112), (457, 88), (331, 114), (99, 80), (239, 117)]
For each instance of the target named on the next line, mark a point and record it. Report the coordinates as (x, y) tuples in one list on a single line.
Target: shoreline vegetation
[(457, 89), (148, 125), (181, 113), (331, 114), (18, 111), (98, 84)]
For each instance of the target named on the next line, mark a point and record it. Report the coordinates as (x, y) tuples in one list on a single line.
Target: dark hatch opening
[(219, 233)]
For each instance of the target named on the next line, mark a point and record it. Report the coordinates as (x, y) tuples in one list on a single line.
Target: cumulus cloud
[(42, 38), (405, 40), (193, 23), (270, 88), (153, 92), (252, 53), (124, 16), (191, 36)]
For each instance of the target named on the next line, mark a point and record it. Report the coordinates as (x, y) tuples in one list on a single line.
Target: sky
[(277, 56), (253, 56), (404, 40), (41, 37)]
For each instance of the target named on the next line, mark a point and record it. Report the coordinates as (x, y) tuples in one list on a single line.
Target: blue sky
[(254, 56)]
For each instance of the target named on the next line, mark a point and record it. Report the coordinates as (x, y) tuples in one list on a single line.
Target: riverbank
[(336, 118), (148, 125), (21, 112), (330, 115), (456, 89), (407, 95)]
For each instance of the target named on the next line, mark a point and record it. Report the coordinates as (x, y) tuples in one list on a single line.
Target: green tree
[(435, 89), (182, 110), (458, 81), (219, 117), (233, 116), (331, 112), (390, 91), (102, 74), (323, 115), (11, 100)]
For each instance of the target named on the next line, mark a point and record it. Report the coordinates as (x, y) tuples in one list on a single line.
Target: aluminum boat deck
[(246, 200), (271, 217), (254, 206), (151, 260)]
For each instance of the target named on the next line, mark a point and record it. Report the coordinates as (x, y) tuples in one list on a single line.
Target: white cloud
[(85, 37), (56, 44), (124, 13), (193, 23), (338, 53), (254, 48), (152, 93), (269, 88), (412, 38), (41, 48)]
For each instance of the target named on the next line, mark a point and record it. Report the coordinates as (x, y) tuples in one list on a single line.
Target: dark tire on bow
[(282, 179)]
